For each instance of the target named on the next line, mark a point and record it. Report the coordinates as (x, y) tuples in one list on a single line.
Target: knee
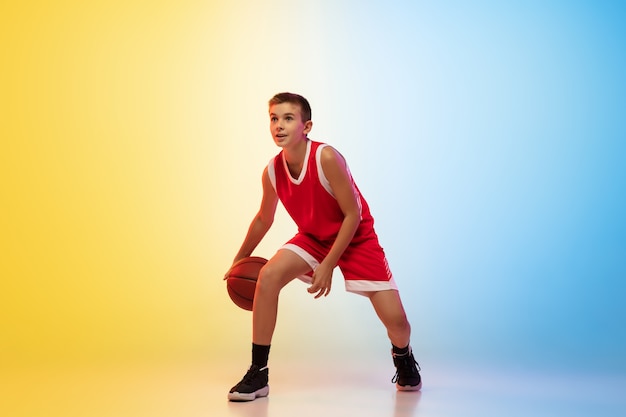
[(268, 281), (399, 324)]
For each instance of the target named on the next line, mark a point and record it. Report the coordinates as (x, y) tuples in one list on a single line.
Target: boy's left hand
[(322, 280)]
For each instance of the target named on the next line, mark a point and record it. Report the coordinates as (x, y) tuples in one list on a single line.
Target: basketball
[(241, 280)]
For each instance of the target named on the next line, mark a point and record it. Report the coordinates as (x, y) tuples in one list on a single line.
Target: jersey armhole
[(271, 173), (320, 171), (326, 184)]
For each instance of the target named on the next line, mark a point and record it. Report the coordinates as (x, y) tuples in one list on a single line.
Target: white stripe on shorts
[(308, 258)]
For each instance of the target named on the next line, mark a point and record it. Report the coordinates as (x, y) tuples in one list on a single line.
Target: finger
[(315, 289), (314, 285), (323, 292)]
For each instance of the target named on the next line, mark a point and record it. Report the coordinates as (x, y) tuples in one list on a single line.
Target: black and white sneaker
[(407, 377), (252, 386)]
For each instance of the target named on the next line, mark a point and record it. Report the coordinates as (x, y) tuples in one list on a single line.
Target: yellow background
[(108, 168)]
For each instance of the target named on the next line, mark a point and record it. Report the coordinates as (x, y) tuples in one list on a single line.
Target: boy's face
[(286, 124)]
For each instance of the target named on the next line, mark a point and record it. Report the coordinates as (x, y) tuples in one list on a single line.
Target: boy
[(335, 228)]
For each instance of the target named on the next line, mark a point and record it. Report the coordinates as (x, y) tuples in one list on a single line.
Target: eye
[(289, 118), (273, 119)]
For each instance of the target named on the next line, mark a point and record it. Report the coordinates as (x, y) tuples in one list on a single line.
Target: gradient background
[(489, 140)]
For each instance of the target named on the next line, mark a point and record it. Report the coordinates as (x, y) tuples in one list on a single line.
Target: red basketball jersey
[(309, 200)]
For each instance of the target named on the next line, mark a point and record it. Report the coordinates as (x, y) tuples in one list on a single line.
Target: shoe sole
[(409, 387), (241, 396)]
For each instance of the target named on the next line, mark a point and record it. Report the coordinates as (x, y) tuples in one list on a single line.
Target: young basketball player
[(335, 228)]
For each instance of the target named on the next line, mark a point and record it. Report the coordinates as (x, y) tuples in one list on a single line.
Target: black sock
[(400, 351), (260, 355)]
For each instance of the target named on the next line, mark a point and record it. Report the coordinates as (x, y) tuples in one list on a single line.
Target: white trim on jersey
[(300, 178), (271, 173), (320, 171), (326, 184)]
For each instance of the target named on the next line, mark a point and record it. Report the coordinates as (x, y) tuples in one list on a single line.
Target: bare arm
[(336, 171), (262, 221)]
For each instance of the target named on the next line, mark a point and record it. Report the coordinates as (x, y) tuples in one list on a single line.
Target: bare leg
[(389, 309), (391, 312), (278, 272)]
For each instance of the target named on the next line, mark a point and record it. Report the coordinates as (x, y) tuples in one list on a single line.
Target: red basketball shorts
[(363, 264)]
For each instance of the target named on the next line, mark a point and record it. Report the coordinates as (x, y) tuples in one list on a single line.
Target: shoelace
[(406, 363), (251, 374)]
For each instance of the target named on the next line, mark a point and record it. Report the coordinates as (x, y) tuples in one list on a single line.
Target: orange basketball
[(241, 280)]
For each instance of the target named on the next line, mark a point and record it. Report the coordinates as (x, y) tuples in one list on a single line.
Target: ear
[(308, 125)]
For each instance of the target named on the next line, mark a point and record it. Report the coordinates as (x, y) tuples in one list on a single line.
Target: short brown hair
[(305, 107)]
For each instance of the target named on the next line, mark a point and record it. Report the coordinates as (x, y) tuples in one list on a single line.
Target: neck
[(295, 154)]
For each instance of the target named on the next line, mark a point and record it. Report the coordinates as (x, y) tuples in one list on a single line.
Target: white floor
[(354, 391), (298, 390)]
